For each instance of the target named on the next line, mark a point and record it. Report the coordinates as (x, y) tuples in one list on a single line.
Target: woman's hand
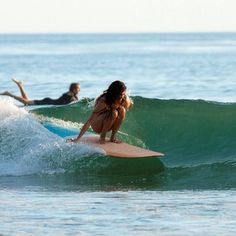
[(72, 140), (126, 102)]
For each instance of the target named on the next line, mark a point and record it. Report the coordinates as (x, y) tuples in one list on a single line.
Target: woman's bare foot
[(114, 140), (18, 82), (102, 139), (6, 93)]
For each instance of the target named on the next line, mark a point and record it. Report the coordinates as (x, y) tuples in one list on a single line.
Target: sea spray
[(26, 147)]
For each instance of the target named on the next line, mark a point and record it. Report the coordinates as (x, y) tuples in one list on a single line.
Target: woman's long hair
[(112, 94)]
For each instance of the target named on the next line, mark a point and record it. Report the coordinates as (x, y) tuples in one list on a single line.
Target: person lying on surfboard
[(66, 98), (109, 112)]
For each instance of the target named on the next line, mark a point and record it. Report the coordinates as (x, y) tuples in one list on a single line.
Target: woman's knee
[(121, 112), (97, 127), (115, 114)]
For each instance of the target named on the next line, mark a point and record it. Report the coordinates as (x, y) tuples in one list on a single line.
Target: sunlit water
[(49, 187), (28, 212)]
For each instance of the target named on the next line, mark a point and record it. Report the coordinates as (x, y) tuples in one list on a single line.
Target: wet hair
[(113, 92), (73, 86)]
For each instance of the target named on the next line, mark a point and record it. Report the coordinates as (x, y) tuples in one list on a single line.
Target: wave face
[(27, 147), (197, 137), (188, 132)]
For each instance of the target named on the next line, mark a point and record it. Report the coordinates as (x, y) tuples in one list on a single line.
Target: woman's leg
[(109, 121), (104, 123), (20, 99), (22, 90), (117, 124), (24, 99)]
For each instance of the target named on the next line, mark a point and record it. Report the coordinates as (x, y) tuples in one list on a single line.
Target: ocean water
[(183, 87)]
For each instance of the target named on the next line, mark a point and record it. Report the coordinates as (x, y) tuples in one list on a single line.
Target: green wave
[(189, 132), (198, 138)]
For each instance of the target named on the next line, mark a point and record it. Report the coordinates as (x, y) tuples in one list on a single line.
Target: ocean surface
[(184, 92)]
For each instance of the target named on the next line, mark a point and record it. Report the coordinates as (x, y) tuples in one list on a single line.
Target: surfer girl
[(66, 98), (109, 112)]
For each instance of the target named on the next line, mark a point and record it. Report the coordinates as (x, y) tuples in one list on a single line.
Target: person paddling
[(66, 98), (109, 112)]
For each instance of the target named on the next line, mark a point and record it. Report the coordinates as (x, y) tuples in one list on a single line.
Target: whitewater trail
[(26, 147)]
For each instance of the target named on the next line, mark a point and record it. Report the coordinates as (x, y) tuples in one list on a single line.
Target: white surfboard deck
[(122, 150)]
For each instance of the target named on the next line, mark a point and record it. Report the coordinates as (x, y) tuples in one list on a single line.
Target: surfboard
[(123, 150)]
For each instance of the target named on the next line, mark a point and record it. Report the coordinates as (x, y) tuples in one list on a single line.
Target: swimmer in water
[(66, 98)]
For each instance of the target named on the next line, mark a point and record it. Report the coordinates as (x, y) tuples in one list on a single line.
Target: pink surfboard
[(122, 150)]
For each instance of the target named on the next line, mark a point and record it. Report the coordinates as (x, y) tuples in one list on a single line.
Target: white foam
[(26, 147), (8, 109)]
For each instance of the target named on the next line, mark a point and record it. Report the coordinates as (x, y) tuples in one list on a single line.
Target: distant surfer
[(66, 98), (109, 112)]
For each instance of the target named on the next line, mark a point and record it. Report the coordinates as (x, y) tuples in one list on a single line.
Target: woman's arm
[(127, 102), (101, 106), (84, 128)]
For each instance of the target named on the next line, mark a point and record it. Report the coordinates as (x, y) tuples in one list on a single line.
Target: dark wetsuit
[(66, 98)]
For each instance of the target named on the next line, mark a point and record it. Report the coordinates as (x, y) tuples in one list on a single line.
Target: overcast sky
[(117, 15)]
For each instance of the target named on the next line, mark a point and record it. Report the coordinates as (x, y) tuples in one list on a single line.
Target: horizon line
[(121, 32)]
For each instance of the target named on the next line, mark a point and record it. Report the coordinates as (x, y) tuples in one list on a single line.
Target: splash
[(26, 147)]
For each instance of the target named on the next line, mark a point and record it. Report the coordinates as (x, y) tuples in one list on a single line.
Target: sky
[(83, 16)]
